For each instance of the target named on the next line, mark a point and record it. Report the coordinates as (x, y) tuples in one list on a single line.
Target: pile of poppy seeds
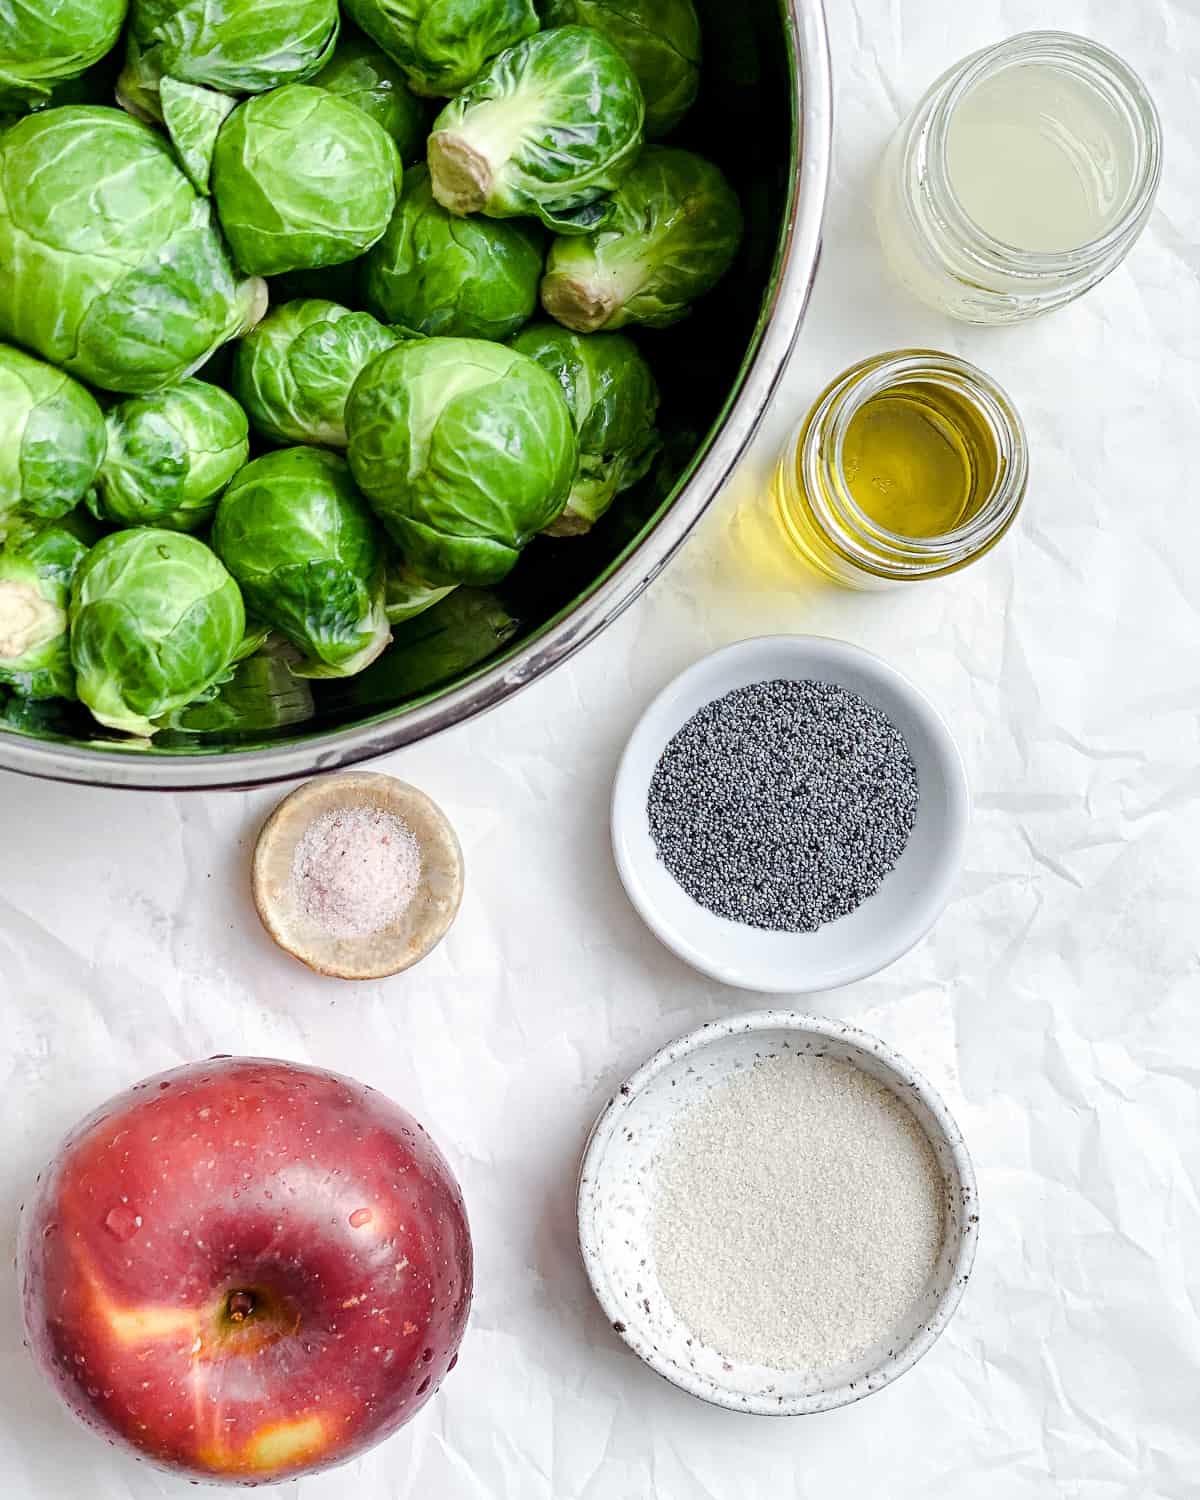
[(783, 804)]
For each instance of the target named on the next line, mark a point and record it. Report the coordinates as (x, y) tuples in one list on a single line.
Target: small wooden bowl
[(418, 929)]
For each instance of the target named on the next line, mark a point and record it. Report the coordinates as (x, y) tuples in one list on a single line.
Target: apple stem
[(240, 1306)]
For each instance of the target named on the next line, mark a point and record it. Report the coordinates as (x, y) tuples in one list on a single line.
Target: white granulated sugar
[(355, 870), (799, 1213)]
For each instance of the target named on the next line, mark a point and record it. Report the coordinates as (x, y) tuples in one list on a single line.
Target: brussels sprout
[(238, 46), (51, 440), (41, 45), (465, 449), (548, 129), (170, 456), (293, 373), (613, 399), (441, 45), (36, 569), (660, 39), (367, 77), (433, 273), (302, 179), (307, 552), (406, 596), (112, 266), (156, 622), (193, 116), (675, 230)]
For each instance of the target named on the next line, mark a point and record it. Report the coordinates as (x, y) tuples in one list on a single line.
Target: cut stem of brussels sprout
[(462, 178), (584, 306), (27, 620)]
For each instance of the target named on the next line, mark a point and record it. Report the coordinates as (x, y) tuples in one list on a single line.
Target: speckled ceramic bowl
[(617, 1192)]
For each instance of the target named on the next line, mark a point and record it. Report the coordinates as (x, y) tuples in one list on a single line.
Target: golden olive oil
[(910, 465), (918, 460)]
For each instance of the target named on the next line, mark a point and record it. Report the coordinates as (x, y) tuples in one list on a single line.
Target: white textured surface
[(1056, 1004)]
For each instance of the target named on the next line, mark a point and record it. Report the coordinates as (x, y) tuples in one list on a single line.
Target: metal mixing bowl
[(765, 115)]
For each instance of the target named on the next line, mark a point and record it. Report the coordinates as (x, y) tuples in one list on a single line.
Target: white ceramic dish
[(888, 923), (616, 1207)]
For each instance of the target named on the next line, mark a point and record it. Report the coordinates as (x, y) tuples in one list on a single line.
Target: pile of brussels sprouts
[(366, 204)]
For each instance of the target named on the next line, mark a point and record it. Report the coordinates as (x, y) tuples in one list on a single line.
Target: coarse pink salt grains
[(356, 870)]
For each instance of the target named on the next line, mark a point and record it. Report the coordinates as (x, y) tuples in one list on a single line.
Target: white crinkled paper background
[(1056, 1004)]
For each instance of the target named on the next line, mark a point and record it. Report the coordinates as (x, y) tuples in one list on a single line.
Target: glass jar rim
[(823, 441), (1052, 47)]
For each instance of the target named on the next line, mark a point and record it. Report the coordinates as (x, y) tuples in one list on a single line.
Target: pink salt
[(355, 871)]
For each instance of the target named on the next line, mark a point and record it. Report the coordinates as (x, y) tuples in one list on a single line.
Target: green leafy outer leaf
[(436, 273), (613, 399), (406, 595), (255, 638), (465, 449), (548, 129), (360, 72), (170, 456), (238, 46), (156, 622), (675, 230), (660, 39), (37, 565), (307, 552), (193, 116), (43, 42), (302, 179), (294, 372), (52, 439), (112, 266), (442, 44)]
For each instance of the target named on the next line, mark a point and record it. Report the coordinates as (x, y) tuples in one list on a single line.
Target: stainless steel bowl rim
[(783, 314)]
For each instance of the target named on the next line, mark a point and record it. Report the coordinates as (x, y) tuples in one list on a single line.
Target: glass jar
[(812, 485), (1058, 143)]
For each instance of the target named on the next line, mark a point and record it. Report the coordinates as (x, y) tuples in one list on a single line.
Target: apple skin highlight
[(246, 1270)]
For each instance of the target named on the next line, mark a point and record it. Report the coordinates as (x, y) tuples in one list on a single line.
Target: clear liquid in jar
[(1040, 158)]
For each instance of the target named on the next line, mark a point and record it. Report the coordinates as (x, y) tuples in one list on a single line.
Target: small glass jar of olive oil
[(910, 465), (1021, 179)]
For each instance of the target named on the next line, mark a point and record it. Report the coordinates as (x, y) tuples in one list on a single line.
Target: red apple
[(246, 1270)]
